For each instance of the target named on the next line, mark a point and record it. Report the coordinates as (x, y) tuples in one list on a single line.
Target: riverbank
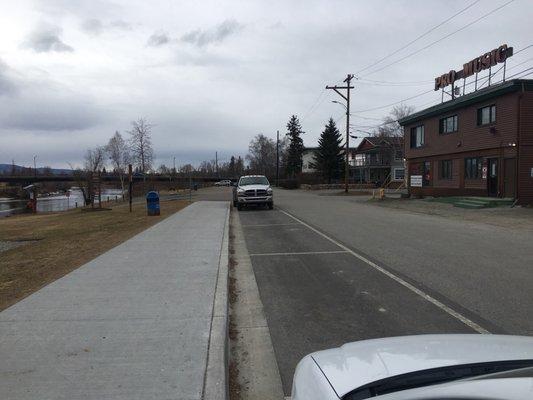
[(52, 245)]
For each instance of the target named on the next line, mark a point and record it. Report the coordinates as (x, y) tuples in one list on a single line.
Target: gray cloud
[(120, 24), (7, 83), (92, 26), (46, 39), (43, 105), (52, 114), (201, 38), (95, 26), (158, 39)]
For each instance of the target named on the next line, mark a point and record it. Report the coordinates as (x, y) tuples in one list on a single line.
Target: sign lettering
[(474, 66), (416, 180)]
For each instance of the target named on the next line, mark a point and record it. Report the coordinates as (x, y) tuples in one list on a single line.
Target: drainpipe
[(518, 134)]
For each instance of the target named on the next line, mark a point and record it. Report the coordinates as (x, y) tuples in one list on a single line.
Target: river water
[(54, 202)]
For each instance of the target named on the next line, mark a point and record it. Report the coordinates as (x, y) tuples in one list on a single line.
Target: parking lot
[(336, 269), (317, 295)]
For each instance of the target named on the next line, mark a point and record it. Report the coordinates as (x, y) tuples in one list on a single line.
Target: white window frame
[(394, 174), (419, 136)]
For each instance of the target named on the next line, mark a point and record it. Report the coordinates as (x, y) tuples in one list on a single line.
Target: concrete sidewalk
[(134, 323)]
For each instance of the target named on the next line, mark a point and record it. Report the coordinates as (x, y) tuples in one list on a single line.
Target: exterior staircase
[(475, 202)]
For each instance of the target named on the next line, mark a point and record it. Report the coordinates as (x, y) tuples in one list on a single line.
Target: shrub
[(289, 183)]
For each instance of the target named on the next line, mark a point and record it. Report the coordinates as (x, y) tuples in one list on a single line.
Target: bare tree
[(141, 144), (94, 162), (390, 126), (80, 177), (164, 170), (186, 169), (119, 155), (262, 155), (95, 159)]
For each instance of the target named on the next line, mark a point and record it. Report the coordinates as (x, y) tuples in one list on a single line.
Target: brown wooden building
[(479, 144), (379, 159)]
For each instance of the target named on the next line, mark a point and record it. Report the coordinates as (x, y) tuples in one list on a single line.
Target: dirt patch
[(520, 218), (235, 389), (6, 245), (57, 243), (350, 193)]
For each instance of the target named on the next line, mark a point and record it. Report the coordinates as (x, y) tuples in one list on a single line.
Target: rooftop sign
[(476, 65)]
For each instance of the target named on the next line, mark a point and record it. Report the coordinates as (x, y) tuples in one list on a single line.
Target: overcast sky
[(212, 74)]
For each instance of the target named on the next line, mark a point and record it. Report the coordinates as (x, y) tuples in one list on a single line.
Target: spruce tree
[(328, 158), (296, 147)]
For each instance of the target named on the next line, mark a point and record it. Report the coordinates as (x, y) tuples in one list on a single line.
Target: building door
[(492, 177), (509, 178)]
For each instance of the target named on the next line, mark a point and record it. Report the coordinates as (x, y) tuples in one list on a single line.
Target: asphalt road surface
[(332, 270)]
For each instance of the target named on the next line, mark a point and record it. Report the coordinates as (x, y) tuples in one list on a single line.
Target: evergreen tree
[(231, 167), (239, 166), (296, 147), (329, 159)]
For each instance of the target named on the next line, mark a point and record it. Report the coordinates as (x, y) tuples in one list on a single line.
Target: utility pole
[(277, 159), (216, 163), (173, 173), (130, 186), (34, 166), (346, 97)]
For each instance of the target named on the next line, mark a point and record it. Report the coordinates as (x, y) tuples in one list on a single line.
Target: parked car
[(253, 189), (225, 182), (420, 367)]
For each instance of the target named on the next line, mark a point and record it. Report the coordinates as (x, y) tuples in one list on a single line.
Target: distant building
[(308, 158), (379, 160), (479, 144)]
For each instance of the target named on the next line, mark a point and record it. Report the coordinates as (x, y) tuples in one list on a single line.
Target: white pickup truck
[(253, 189)]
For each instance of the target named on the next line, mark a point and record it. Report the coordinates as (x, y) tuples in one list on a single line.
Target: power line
[(523, 76), (396, 102), (521, 50), (417, 83), (360, 116), (406, 82), (315, 103), (418, 37), (429, 91), (391, 84), (442, 38), (521, 72)]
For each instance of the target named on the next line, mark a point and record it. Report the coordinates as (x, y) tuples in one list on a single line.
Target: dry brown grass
[(65, 241)]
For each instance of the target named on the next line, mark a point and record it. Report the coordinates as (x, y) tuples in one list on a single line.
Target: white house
[(308, 157)]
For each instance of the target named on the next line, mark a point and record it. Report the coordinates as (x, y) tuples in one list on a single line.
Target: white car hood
[(254, 187), (356, 364)]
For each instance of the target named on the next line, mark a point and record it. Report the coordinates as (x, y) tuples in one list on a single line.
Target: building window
[(417, 136), (398, 155), (445, 169), (486, 115), (399, 174), (473, 167), (426, 177), (448, 124)]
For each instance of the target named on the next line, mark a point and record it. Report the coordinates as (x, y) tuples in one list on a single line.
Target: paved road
[(322, 285), (134, 323)]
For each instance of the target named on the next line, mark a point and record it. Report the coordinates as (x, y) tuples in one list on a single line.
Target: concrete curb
[(216, 375)]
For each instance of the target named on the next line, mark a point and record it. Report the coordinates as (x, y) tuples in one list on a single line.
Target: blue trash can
[(152, 203)]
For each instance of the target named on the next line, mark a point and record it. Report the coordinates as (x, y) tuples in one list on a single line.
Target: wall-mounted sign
[(484, 172), (478, 64), (416, 180)]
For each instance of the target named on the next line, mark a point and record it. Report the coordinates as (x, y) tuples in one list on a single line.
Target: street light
[(338, 102), (368, 133)]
